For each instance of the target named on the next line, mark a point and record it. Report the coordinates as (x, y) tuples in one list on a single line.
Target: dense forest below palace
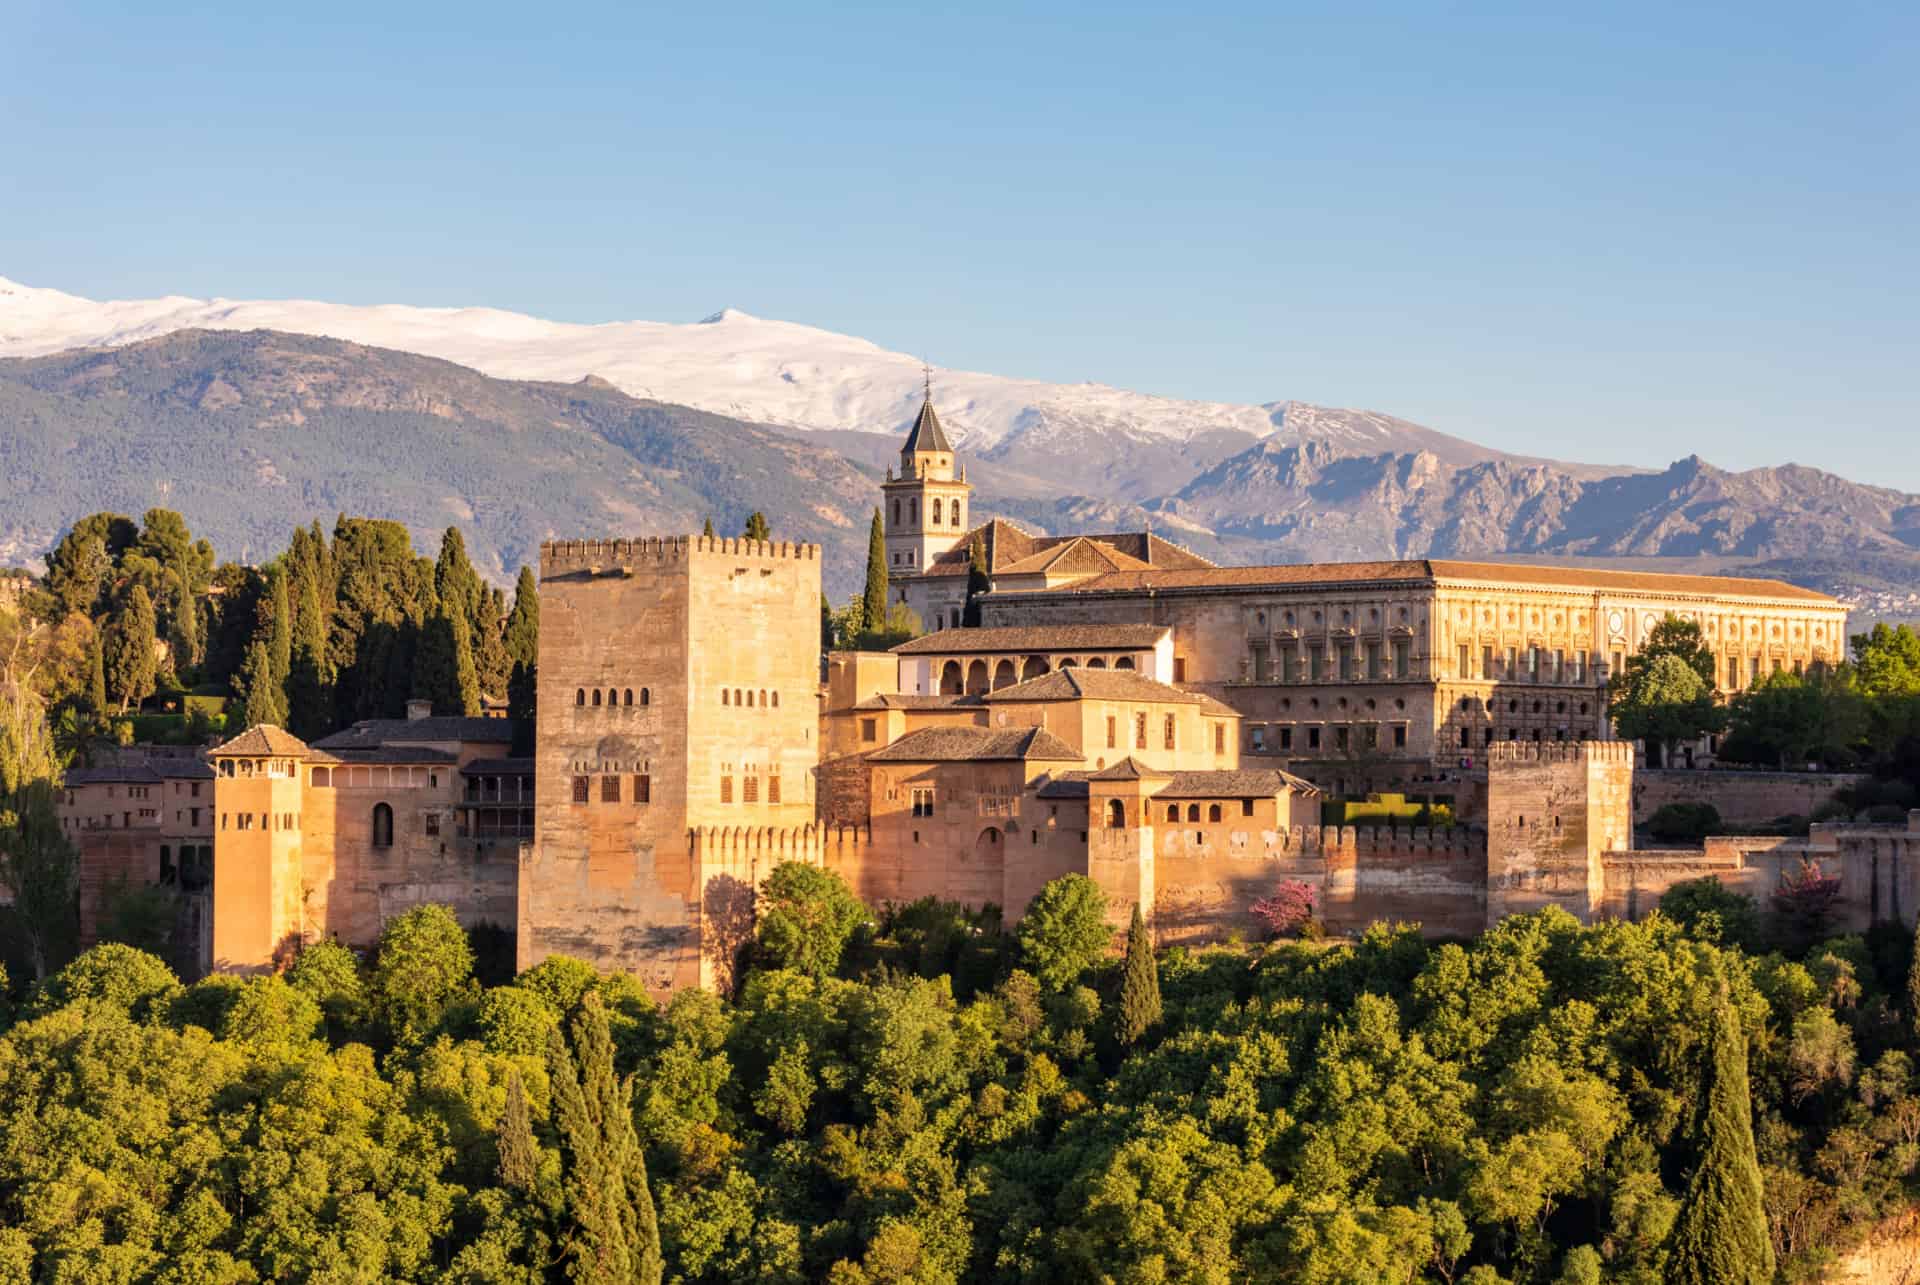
[(915, 1096)]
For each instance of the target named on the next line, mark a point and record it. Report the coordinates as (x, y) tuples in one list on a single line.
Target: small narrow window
[(627, 697), (1193, 811), (580, 696), (609, 789), (1246, 807), (1112, 732), (776, 700), (726, 789), (596, 697), (1213, 812), (1219, 738), (1140, 731), (751, 792), (643, 789), (582, 789), (646, 697), (773, 789), (1167, 731), (1173, 811), (726, 697), (382, 826)]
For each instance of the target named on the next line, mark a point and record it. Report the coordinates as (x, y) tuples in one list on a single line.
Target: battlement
[(766, 846), (1514, 752), (1407, 841), (595, 557)]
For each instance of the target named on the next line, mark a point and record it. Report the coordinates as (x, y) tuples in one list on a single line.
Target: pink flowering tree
[(1289, 909)]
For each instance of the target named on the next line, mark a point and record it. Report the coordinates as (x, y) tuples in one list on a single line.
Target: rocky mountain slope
[(248, 433)]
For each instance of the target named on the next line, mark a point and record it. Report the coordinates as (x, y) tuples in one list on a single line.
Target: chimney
[(417, 710)]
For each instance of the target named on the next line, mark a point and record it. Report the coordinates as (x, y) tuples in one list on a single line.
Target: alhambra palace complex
[(1126, 710)]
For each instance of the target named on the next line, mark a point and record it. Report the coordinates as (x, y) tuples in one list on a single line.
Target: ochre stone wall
[(1742, 798), (708, 630), (1553, 810)]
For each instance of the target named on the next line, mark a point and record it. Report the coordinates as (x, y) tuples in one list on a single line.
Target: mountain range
[(251, 416)]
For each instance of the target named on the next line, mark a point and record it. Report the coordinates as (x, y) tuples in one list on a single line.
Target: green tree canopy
[(806, 916), (1064, 931), (1139, 984), (757, 528), (873, 600), (1663, 702), (423, 963), (1721, 1235)]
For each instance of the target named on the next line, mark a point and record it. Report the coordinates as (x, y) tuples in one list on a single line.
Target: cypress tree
[(1140, 984), (826, 624), (707, 529), (1913, 979), (873, 604), (757, 528), (97, 679), (522, 639), (443, 669), (977, 582), (1720, 1236), (614, 1235), (519, 1158), (280, 630), (265, 701), (129, 663)]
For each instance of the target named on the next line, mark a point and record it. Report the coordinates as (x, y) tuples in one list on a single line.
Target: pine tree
[(873, 603), (519, 1157), (1720, 1236), (1140, 984), (977, 582), (757, 528), (266, 702), (129, 662), (614, 1235)]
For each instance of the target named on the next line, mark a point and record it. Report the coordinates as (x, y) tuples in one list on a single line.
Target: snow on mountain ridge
[(776, 372)]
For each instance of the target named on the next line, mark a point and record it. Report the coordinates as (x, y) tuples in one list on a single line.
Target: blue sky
[(1617, 233)]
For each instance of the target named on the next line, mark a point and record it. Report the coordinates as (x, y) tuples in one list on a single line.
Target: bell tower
[(926, 504)]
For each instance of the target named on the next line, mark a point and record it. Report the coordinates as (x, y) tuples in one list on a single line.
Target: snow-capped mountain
[(773, 372)]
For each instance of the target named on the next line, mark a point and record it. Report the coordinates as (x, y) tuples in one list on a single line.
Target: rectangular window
[(1618, 668), (869, 730), (1345, 652), (773, 789), (1512, 667), (1257, 740), (1340, 738), (1179, 669), (433, 824), (726, 789), (923, 802), (1466, 739), (1753, 673), (643, 789), (609, 789), (1402, 658), (1370, 737), (1246, 807), (1733, 673), (1486, 662), (1286, 738), (750, 790), (1139, 731), (1313, 738), (1262, 666), (1559, 666), (1316, 663), (1289, 664), (1113, 732), (1400, 738), (1460, 669), (1372, 654), (582, 787), (1533, 664), (1219, 738), (1168, 732)]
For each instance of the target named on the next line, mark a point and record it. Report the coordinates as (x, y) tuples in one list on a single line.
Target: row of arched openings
[(614, 696), (1117, 813), (976, 677), (744, 697)]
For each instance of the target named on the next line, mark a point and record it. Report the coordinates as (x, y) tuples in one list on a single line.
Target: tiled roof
[(373, 732), (132, 774), (263, 740), (1078, 556), (1425, 571), (1253, 783), (174, 768), (964, 744), (383, 754), (498, 767), (1064, 785), (1080, 683), (1008, 547), (906, 700), (927, 434), (1128, 769), (1035, 638)]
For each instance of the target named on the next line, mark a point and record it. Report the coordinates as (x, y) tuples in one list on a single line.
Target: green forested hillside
[(1547, 1103)]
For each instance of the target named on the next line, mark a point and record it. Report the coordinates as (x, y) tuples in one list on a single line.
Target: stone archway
[(1035, 666), (1003, 675), (1125, 662), (950, 682), (1097, 663), (977, 677)]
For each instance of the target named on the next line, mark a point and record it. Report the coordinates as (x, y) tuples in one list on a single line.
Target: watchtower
[(258, 804), (1554, 809)]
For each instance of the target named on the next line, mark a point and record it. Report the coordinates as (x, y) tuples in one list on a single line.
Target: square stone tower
[(678, 688), (1553, 810), (259, 898)]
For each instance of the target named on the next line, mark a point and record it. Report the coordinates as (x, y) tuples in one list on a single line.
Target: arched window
[(646, 697), (896, 513), (627, 697), (382, 826), (1096, 663), (913, 512), (1213, 812), (776, 700), (726, 697), (738, 699), (613, 697), (956, 513), (1193, 811), (763, 698), (1116, 814), (1125, 662), (936, 510), (596, 697), (1173, 811), (580, 696)]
